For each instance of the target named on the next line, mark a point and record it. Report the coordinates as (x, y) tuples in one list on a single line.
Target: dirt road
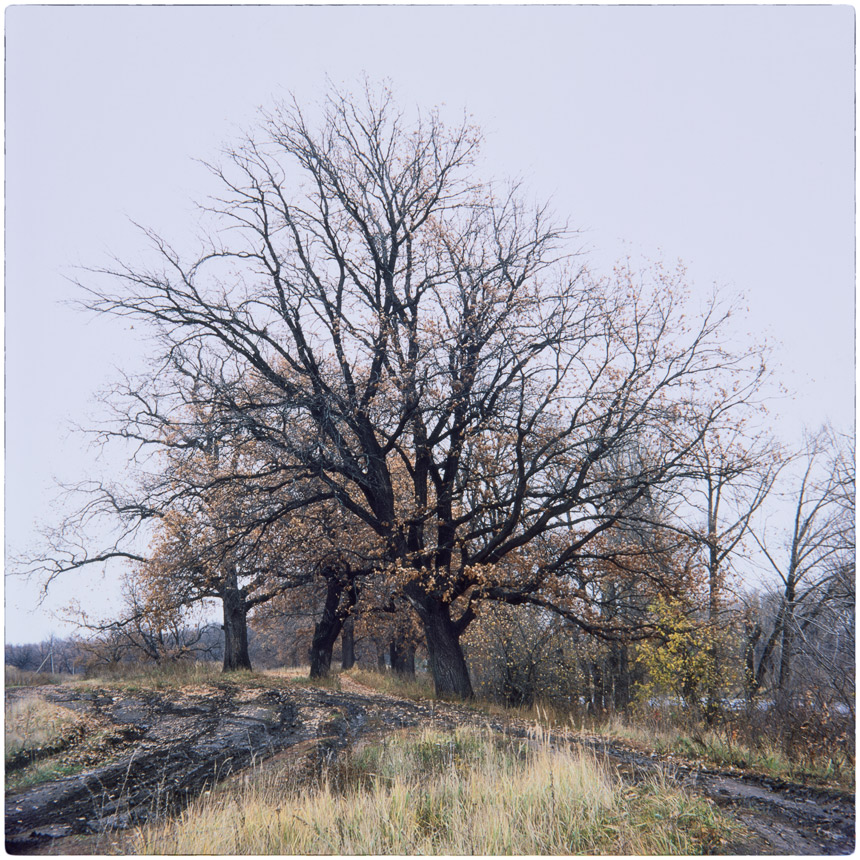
[(162, 748)]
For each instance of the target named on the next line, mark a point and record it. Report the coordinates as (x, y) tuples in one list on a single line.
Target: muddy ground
[(158, 749)]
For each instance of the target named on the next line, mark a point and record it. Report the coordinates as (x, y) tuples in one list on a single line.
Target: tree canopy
[(425, 351)]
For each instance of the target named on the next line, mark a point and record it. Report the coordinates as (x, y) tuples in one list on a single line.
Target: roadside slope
[(175, 743)]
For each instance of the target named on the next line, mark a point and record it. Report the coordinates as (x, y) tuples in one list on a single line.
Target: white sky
[(721, 135)]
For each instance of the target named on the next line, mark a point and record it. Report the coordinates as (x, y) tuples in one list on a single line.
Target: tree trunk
[(320, 653), (327, 629), (598, 687), (235, 627), (447, 663), (407, 666), (751, 683), (402, 658), (620, 670), (712, 692), (787, 655), (347, 643)]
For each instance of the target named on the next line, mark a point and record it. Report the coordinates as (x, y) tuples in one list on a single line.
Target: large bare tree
[(814, 562), (423, 348)]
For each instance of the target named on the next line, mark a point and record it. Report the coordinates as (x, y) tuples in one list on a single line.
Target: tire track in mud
[(179, 742), (783, 817)]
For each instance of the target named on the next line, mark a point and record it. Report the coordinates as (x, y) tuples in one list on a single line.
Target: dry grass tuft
[(38, 736), (32, 725), (416, 687), (469, 792), (15, 677), (151, 676), (727, 748)]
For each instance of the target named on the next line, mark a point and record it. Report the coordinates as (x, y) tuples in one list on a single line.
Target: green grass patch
[(42, 771)]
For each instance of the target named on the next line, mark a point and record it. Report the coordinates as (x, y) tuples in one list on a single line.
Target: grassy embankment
[(467, 793), (429, 792), (147, 677), (721, 746), (730, 744), (37, 734)]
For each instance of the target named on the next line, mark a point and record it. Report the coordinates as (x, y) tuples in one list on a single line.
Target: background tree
[(283, 628), (53, 655), (679, 660), (735, 473), (157, 631), (816, 566)]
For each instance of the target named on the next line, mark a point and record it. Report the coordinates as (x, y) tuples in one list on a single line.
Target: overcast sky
[(721, 135)]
